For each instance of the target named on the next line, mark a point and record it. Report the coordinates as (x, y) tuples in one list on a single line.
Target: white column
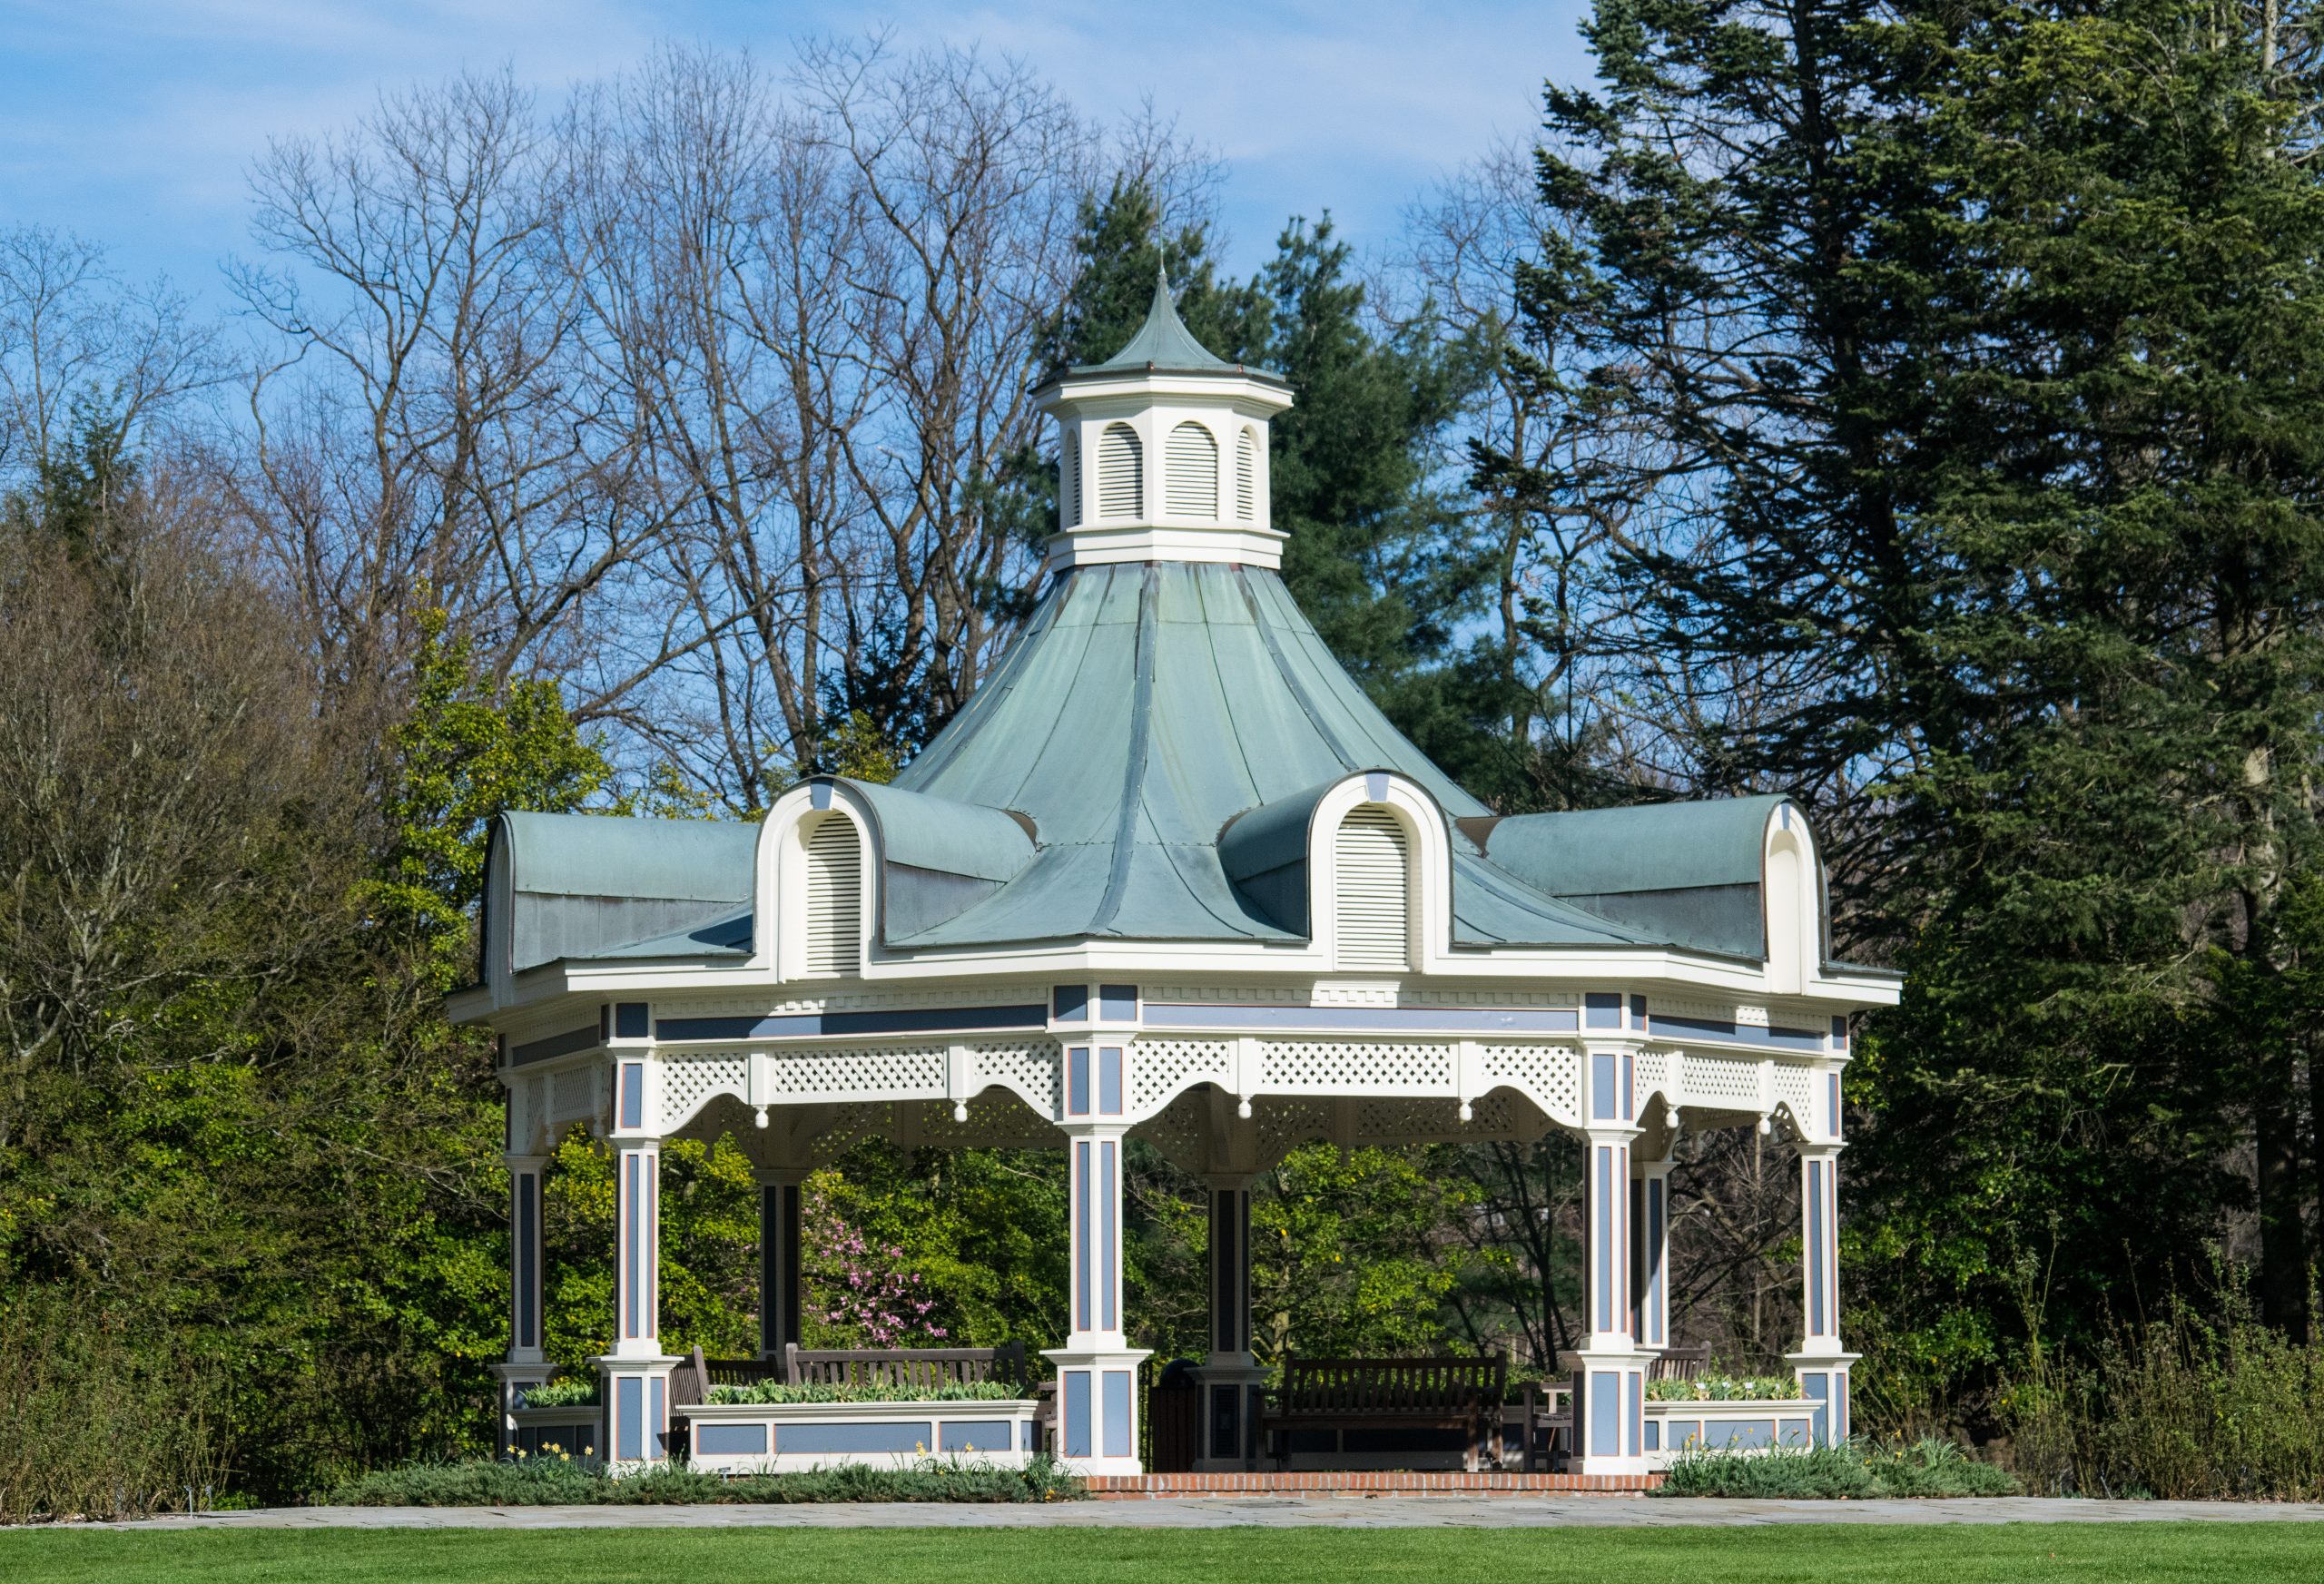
[(1230, 1377), (1822, 1362), (1609, 1367), (526, 1365), (778, 1198), (637, 1372), (1096, 1369), (1650, 1265)]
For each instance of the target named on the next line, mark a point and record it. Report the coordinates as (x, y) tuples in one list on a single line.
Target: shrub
[(776, 1391), (2184, 1408), (92, 1426), (557, 1481), (1927, 1468)]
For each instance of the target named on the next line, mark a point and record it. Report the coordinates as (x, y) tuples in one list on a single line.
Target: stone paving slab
[(1266, 1513)]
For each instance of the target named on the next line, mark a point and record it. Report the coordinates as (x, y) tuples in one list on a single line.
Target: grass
[(2212, 1553)]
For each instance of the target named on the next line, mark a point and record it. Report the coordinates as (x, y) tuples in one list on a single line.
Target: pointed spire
[(1164, 342)]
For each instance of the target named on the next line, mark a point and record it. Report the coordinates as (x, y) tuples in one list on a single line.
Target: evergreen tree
[(1972, 349)]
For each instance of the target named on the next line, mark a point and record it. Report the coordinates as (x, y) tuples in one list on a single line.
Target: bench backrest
[(1680, 1363), (905, 1366), (1391, 1385)]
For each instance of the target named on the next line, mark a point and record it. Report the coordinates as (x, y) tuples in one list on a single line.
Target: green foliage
[(1349, 1255), (574, 1391), (985, 1229), (80, 491), (1927, 1468), (709, 1228), (1719, 1388), (2186, 1407), (1968, 359), (563, 1481), (468, 747), (95, 1421), (778, 1392)]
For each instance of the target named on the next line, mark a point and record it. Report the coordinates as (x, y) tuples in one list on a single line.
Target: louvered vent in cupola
[(1190, 474), (1246, 477), (1121, 474), (1371, 874), (1069, 495), (834, 897)]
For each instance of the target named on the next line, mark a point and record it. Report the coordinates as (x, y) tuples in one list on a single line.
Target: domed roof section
[(1144, 708)]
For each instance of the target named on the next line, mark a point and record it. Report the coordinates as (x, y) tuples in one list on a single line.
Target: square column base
[(1097, 1407), (1824, 1382), (1610, 1406), (637, 1408), (1227, 1433), (515, 1375)]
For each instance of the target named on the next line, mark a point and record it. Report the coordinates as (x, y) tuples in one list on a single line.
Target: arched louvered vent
[(1121, 474), (1068, 494), (1372, 875), (1246, 477), (1190, 474), (834, 897)]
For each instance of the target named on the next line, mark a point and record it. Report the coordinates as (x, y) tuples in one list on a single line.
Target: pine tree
[(1966, 355)]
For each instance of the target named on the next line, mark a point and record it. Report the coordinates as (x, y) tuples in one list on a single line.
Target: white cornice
[(1107, 545)]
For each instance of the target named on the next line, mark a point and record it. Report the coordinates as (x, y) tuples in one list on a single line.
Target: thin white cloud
[(133, 121)]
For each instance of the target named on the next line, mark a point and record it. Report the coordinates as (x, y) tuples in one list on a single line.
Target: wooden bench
[(1440, 1393), (906, 1366)]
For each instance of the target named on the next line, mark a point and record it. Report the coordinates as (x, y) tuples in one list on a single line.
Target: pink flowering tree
[(866, 1293)]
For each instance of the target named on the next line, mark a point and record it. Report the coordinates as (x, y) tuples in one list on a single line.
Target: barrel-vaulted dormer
[(1162, 452)]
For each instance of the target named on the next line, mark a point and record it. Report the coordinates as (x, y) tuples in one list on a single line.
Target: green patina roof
[(1143, 765), (1648, 847), (1146, 708), (1164, 345)]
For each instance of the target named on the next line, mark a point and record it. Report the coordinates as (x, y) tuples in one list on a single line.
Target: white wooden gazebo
[(1171, 875)]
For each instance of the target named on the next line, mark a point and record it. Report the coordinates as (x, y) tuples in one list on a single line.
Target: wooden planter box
[(751, 1438), (580, 1430), (1735, 1424)]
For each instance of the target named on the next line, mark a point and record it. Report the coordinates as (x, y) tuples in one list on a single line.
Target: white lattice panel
[(849, 1127), (1159, 1068), (1392, 1122), (1722, 1083), (1550, 1073), (1284, 1124), (1180, 1130), (904, 1072), (1653, 1072), (1796, 1087), (528, 1114), (688, 1082), (1333, 1067), (573, 1094), (1028, 1067), (1504, 1116), (997, 1119)]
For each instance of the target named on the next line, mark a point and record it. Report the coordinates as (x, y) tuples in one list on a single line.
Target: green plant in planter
[(567, 1391), (1726, 1388), (777, 1392)]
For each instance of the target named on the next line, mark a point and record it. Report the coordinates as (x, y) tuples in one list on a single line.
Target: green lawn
[(1826, 1554)]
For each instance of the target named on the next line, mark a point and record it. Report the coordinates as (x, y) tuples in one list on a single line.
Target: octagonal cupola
[(1162, 452)]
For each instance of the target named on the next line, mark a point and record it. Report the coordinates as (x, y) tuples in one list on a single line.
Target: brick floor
[(1366, 1482)]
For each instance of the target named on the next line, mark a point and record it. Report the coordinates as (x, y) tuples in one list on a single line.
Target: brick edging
[(1365, 1482)]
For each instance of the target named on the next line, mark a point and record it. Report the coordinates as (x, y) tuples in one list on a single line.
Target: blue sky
[(131, 121)]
